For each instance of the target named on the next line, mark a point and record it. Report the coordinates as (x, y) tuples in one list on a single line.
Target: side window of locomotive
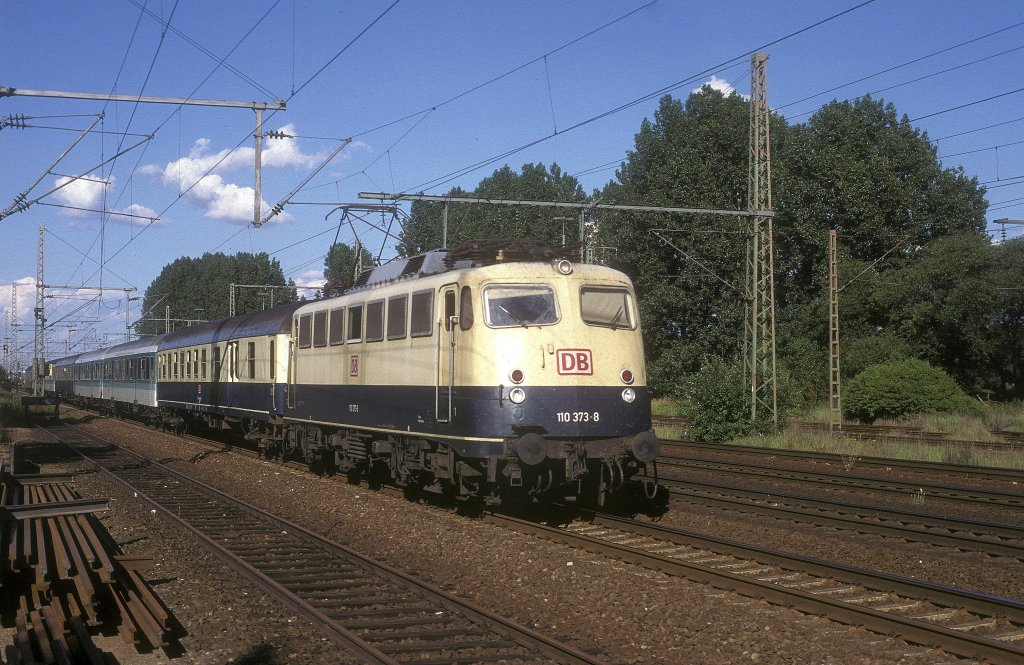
[(608, 307), (320, 329), (421, 320), (337, 326), (449, 309), (397, 317), (305, 331), (355, 323), (375, 321), (510, 305), (466, 309)]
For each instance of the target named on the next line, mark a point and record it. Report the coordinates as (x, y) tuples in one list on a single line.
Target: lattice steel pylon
[(835, 402), (759, 325), (39, 348)]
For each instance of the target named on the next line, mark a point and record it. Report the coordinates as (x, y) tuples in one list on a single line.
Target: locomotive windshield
[(605, 306), (509, 305)]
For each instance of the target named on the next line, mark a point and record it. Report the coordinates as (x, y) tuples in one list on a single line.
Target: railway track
[(376, 613), (975, 495), (961, 471), (967, 624), (990, 538), (880, 432), (1002, 439)]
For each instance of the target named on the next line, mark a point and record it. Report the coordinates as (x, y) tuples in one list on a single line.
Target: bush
[(863, 352), (716, 403), (901, 389)]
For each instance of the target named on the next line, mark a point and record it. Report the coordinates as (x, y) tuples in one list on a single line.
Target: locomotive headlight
[(563, 266), (628, 395), (517, 395), (516, 376)]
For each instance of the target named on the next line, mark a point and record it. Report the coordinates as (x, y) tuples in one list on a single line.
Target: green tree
[(198, 288), (690, 292), (340, 265), (535, 182), (1007, 354)]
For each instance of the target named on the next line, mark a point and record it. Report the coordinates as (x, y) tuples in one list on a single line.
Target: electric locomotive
[(495, 377)]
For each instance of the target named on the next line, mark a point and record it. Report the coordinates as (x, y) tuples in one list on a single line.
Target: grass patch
[(11, 413), (665, 406), (852, 449)]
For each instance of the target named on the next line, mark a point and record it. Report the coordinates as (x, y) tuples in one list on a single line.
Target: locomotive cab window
[(608, 307), (510, 305)]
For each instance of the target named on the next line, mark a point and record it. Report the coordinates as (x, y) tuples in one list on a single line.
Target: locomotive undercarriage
[(588, 469)]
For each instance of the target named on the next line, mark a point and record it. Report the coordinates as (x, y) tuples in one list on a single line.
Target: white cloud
[(26, 299), (86, 192), (140, 213), (311, 279), (203, 174), (720, 85)]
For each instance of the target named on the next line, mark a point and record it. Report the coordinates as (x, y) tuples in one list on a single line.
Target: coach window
[(251, 359), (202, 364), (466, 309), (216, 363), (396, 317), (174, 365), (320, 329), (305, 331), (421, 319), (189, 364), (608, 307), (273, 360), (355, 323), (195, 363), (375, 321), (337, 335)]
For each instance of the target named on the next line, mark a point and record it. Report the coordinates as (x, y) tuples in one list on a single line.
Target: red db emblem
[(353, 366), (575, 361)]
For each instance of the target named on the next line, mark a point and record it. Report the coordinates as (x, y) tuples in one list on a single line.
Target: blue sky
[(343, 77)]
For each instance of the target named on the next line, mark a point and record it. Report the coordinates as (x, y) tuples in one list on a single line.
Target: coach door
[(448, 324)]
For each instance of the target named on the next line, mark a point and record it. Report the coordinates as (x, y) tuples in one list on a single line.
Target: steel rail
[(856, 517), (910, 629), (981, 472), (525, 637), (962, 494)]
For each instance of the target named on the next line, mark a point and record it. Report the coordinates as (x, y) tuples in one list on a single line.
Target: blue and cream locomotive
[(476, 375)]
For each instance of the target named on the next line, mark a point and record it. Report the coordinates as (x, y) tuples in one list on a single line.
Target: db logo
[(353, 366), (574, 361)]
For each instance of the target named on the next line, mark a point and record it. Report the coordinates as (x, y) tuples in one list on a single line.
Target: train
[(491, 373)]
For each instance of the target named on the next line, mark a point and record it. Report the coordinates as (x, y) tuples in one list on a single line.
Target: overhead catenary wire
[(453, 175)]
